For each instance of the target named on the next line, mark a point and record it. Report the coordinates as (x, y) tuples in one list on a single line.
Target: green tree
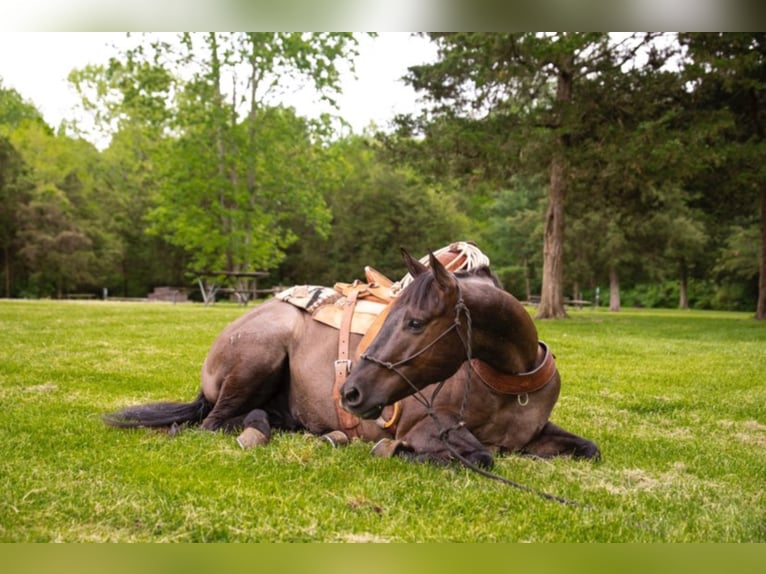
[(236, 169), (212, 166), (528, 82), (376, 208), (636, 152), (54, 238), (514, 234), (61, 234), (14, 192), (727, 72), (131, 99)]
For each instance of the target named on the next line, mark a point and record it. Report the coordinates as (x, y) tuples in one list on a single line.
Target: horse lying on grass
[(274, 368)]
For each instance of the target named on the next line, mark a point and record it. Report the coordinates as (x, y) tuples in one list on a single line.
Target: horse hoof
[(387, 447), (251, 437), (336, 438)]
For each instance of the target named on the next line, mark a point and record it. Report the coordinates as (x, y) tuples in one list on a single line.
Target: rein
[(460, 309)]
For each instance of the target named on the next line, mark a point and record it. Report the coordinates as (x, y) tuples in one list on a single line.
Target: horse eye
[(415, 325)]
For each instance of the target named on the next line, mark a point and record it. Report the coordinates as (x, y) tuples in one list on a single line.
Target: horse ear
[(414, 266), (443, 277)]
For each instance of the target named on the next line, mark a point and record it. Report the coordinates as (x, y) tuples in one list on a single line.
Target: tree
[(236, 169), (727, 72), (529, 80), (60, 236), (377, 208), (13, 194), (634, 157), (53, 235), (514, 234)]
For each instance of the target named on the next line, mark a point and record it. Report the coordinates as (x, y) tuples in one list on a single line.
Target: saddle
[(361, 308)]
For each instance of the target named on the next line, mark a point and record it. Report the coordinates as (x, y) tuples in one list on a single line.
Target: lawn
[(676, 401)]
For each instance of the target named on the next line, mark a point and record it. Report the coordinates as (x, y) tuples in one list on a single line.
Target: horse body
[(274, 368)]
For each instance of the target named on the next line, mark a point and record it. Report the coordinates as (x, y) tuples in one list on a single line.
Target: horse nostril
[(351, 396)]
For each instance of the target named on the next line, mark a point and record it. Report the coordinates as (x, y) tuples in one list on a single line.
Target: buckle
[(343, 366)]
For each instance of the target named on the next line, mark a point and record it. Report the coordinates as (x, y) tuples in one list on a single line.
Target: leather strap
[(520, 383), (346, 420)]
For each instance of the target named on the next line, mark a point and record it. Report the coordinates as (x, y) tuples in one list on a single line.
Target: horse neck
[(503, 333)]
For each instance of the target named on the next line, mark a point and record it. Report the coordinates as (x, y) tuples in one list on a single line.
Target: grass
[(676, 401)]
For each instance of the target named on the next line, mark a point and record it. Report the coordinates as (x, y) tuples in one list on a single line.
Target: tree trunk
[(527, 280), (219, 125), (552, 293), (683, 287), (614, 290), (760, 312), (7, 271)]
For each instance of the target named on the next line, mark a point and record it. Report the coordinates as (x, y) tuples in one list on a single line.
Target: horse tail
[(160, 414)]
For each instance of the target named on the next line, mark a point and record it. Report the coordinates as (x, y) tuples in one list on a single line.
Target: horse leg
[(555, 441), (238, 396), (425, 442)]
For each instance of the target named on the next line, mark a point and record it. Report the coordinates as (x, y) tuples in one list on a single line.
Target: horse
[(501, 380), (274, 368)]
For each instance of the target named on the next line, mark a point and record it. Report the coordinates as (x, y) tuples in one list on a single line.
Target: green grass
[(676, 401)]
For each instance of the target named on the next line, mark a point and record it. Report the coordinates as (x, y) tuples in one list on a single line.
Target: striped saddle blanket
[(326, 305)]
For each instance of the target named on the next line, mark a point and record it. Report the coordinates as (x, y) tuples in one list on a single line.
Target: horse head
[(430, 331)]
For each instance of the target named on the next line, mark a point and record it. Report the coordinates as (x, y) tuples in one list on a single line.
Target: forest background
[(629, 165)]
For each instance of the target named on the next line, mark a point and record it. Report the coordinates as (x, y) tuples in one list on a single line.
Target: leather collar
[(519, 383)]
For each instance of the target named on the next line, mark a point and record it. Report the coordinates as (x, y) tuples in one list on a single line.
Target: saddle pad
[(308, 297), (365, 313)]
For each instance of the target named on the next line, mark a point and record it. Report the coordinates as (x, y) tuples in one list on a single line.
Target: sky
[(37, 64)]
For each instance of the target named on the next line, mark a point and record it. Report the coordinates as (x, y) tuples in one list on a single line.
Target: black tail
[(160, 414)]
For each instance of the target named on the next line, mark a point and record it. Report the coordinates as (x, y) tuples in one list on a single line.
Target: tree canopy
[(629, 162)]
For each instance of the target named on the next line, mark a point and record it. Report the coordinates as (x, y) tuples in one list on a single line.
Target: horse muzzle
[(354, 402)]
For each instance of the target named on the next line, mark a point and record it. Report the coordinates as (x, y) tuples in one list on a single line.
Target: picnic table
[(534, 300), (242, 284)]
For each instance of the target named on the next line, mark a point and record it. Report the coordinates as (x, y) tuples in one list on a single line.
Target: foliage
[(235, 175), (376, 209), (645, 385), (728, 71), (657, 156), (514, 234)]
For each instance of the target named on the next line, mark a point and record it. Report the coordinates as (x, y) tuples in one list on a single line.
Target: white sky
[(37, 64)]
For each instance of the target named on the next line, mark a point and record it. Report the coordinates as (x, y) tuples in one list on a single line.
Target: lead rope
[(460, 308)]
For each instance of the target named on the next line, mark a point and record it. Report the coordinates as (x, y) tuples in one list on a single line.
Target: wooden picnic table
[(242, 284)]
